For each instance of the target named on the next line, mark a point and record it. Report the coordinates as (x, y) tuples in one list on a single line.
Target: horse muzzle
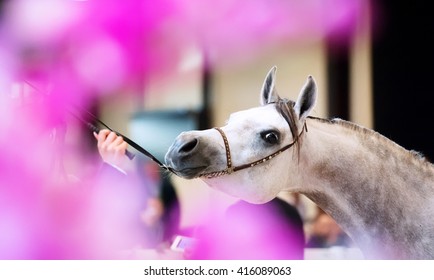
[(190, 155)]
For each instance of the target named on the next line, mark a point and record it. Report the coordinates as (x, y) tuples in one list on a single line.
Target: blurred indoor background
[(150, 70)]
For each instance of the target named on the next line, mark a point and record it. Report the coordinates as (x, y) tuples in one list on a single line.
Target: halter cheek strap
[(231, 169)]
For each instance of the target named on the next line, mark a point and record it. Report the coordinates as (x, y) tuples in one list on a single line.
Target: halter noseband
[(231, 169)]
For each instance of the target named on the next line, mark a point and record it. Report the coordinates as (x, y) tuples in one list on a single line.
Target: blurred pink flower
[(103, 45), (256, 232), (45, 213)]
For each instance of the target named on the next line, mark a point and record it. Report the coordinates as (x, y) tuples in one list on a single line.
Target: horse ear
[(268, 92), (307, 99)]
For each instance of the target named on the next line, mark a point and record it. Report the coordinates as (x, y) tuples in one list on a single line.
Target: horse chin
[(230, 186), (189, 173)]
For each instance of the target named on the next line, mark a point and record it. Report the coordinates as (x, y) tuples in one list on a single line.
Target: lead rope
[(125, 138), (77, 113)]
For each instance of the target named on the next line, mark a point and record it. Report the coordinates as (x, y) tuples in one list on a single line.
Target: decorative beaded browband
[(231, 169)]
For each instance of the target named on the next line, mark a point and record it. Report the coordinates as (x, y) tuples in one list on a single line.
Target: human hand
[(112, 148)]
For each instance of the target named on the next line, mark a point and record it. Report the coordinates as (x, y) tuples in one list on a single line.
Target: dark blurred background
[(402, 69)]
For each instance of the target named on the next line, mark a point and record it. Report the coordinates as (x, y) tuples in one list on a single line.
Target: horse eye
[(271, 137)]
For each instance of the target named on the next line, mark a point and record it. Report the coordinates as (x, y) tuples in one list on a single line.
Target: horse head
[(254, 156)]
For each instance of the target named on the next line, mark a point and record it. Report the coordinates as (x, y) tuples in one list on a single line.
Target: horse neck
[(371, 186)]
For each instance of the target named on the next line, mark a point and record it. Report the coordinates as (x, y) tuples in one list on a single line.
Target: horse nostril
[(188, 147)]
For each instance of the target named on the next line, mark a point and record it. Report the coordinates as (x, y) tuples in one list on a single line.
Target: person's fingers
[(101, 136), (123, 147), (117, 141), (105, 144), (103, 133), (111, 147), (118, 145), (110, 138)]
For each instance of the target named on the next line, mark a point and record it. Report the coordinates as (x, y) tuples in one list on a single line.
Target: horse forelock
[(285, 108)]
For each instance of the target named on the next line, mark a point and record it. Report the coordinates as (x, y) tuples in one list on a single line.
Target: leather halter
[(231, 169)]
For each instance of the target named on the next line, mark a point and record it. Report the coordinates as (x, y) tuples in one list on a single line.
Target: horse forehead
[(258, 115)]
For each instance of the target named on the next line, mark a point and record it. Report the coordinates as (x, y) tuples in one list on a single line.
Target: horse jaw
[(256, 185)]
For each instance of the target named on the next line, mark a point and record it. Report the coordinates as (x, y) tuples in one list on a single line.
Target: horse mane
[(418, 156), (286, 108)]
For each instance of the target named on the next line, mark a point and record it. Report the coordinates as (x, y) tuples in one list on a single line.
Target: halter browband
[(231, 169)]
